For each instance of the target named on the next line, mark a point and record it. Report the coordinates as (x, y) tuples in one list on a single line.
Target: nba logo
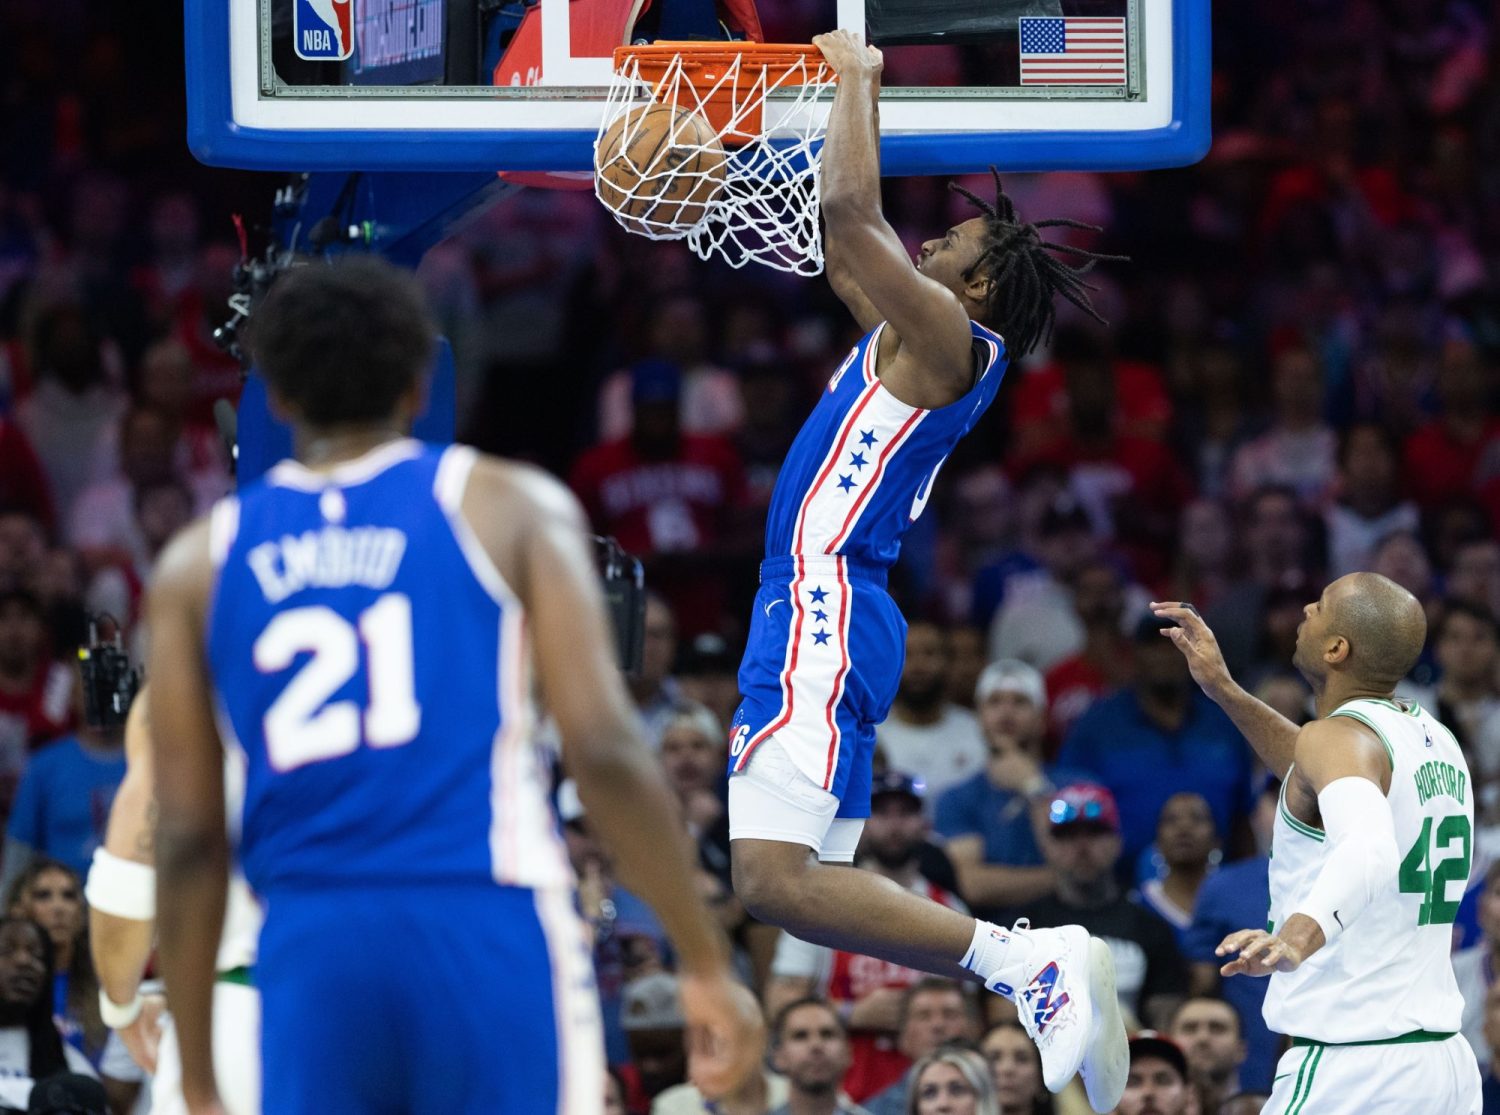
[(323, 30)]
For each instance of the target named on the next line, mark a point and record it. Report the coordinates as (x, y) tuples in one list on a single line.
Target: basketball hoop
[(760, 104)]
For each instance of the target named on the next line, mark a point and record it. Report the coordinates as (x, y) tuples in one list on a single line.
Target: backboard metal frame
[(1163, 120)]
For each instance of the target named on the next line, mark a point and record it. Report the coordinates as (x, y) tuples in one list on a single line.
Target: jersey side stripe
[(840, 441), (834, 734)]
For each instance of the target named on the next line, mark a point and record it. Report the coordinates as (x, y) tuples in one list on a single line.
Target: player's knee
[(769, 880)]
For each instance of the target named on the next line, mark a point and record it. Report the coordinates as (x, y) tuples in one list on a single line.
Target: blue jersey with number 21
[(371, 663)]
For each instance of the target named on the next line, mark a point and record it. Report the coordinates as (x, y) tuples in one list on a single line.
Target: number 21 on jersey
[(303, 725)]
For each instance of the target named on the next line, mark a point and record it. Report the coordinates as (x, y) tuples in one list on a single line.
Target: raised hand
[(1196, 641), (848, 55)]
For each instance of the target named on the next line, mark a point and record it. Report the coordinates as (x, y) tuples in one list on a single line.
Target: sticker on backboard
[(323, 30)]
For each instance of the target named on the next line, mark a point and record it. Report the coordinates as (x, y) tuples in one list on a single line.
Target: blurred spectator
[(1474, 576), (1015, 1070), (1288, 694), (1474, 968), (1131, 486), (1188, 847), (62, 804), (1159, 737), (651, 1016), (1036, 623), (926, 734), (677, 332), (31, 1049), (693, 756), (656, 692), (1369, 503), (932, 1013), (628, 941), (1490, 1068), (1237, 897), (952, 1080), (105, 522), (966, 662), (708, 673), (1300, 449), (1042, 395), (1208, 1030), (36, 690), (1205, 552), (867, 991), (614, 1093), (1277, 545), (988, 821), (23, 485), (1213, 424), (773, 413), (52, 896), (667, 495), (1103, 665), (70, 410), (1443, 456), (1082, 846), (1466, 646), (68, 1093), (1158, 1080), (810, 1048), (23, 549)]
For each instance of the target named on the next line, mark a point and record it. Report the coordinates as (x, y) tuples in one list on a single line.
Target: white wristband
[(115, 1016), (121, 887)]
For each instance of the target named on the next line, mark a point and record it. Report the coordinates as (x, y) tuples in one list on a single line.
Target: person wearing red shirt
[(1443, 456), (671, 498), (1104, 662), (36, 692)]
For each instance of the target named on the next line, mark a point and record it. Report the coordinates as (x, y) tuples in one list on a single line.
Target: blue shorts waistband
[(785, 566)]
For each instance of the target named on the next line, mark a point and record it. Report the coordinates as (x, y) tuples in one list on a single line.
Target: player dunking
[(1369, 859), (367, 624), (826, 641)]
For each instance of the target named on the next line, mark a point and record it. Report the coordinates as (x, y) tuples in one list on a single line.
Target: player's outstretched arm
[(936, 341), (192, 845), (1272, 735), (121, 893), (619, 780), (1348, 768)]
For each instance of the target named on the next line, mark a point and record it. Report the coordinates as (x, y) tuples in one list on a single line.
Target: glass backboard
[(459, 85)]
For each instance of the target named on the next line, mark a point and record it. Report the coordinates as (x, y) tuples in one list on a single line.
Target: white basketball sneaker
[(1069, 1009)]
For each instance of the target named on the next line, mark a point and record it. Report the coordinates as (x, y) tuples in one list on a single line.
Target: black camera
[(625, 598), (110, 682)]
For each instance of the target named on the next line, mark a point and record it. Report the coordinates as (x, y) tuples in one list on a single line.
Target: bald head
[(1384, 624)]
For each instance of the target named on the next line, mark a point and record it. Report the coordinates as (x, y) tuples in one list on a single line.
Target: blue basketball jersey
[(371, 662), (862, 467)]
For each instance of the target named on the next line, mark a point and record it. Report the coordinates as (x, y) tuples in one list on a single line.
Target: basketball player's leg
[(1401, 1077), (781, 828)]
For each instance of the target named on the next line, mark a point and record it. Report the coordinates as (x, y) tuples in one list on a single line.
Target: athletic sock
[(998, 957)]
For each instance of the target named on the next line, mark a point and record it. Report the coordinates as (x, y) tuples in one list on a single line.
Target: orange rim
[(704, 65)]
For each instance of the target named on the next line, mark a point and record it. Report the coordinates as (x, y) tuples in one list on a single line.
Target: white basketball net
[(767, 210)]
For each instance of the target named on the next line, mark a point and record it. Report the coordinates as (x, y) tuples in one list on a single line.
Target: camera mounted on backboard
[(110, 682)]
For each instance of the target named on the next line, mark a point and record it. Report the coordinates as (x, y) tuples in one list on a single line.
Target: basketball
[(659, 168)]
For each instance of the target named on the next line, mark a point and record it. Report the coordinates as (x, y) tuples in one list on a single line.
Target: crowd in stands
[(1298, 380)]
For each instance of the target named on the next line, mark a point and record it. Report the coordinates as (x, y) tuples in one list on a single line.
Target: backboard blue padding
[(264, 441), (215, 139)]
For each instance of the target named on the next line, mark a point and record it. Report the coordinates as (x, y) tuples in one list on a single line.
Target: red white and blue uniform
[(826, 641), (373, 666)]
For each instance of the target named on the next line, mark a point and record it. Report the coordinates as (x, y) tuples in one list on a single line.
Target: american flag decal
[(1072, 50)]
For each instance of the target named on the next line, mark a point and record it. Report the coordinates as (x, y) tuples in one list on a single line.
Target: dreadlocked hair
[(1023, 276)]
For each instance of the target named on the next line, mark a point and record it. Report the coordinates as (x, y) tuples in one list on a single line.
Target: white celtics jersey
[(1388, 974), (242, 913)]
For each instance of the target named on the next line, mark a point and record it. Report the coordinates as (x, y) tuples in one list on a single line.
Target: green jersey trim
[(1416, 1037), (1355, 714), (1286, 814)]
